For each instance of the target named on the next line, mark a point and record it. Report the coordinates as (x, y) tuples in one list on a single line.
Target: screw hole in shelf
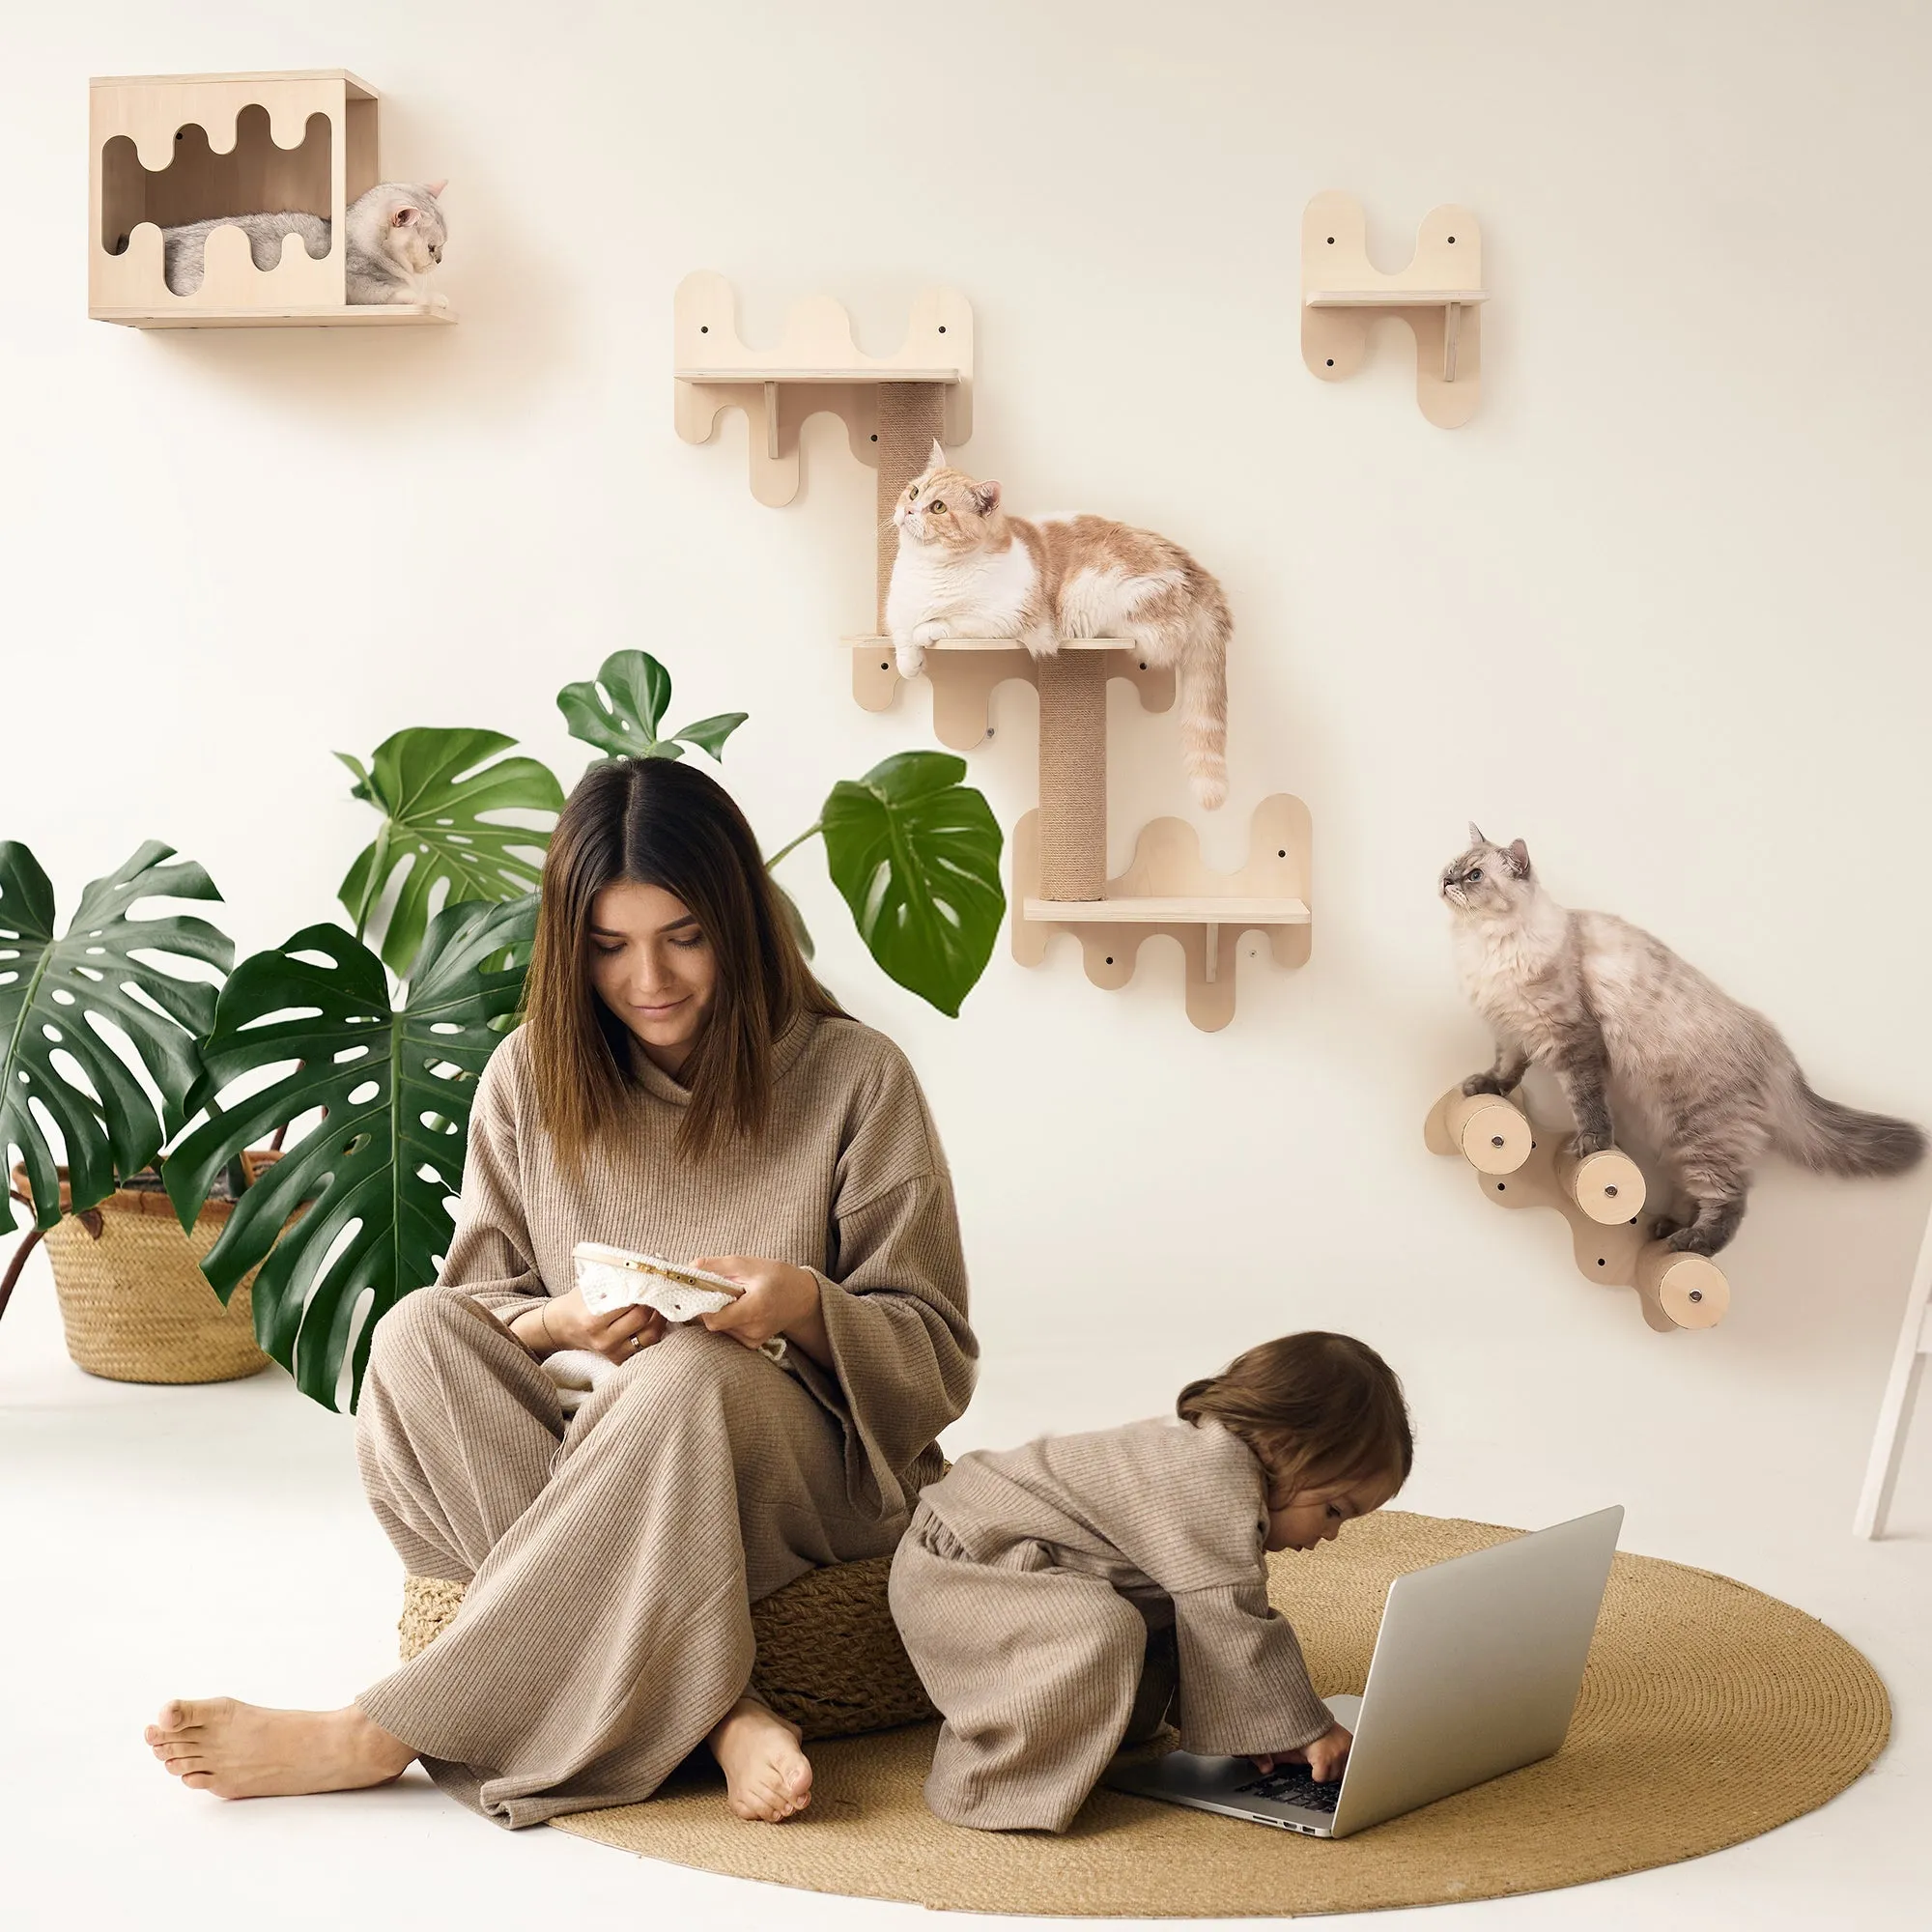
[(1499, 1187), (875, 436), (887, 664), (1452, 240), (1331, 240), (1696, 1295), (1110, 959), (1600, 1261), (704, 329), (1611, 1192), (1281, 852), (1331, 361), (1496, 1140), (1144, 663)]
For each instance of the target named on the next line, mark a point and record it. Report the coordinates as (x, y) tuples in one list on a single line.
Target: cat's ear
[(937, 460), (985, 497), (1476, 834), (435, 190), (403, 215), (1517, 855)]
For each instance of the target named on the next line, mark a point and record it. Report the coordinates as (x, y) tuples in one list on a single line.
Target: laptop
[(1476, 1673)]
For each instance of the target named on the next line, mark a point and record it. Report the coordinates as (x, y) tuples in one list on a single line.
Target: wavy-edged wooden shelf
[(963, 672), (1167, 890), (168, 148), (1441, 295), (816, 368)]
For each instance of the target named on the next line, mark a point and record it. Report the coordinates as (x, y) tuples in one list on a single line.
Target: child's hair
[(1315, 1408)]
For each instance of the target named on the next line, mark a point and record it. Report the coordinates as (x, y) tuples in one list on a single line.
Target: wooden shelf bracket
[(1439, 294)]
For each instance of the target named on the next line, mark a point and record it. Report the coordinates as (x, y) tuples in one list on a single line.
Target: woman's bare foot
[(767, 1778), (240, 1750)]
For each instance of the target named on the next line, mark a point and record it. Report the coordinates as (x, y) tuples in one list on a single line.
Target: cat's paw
[(1482, 1083), (910, 658), (1665, 1227), (1693, 1240), (1584, 1144)]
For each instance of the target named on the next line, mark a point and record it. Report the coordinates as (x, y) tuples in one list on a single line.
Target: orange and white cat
[(966, 569)]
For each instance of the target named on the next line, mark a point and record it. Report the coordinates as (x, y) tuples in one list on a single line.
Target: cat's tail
[(1834, 1139), (1203, 703)]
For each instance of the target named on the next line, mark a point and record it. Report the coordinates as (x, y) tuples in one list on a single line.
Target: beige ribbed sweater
[(848, 1180), (611, 1557), (1173, 1516)]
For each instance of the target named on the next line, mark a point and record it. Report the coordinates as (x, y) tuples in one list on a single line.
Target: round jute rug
[(1710, 1713)]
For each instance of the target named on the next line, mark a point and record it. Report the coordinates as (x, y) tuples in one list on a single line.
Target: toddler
[(1058, 1598)]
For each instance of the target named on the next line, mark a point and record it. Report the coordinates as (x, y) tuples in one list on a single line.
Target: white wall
[(1658, 610)]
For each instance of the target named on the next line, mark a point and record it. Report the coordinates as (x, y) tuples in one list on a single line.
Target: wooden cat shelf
[(817, 368), (1519, 1164), (893, 409), (1439, 294), (962, 672), (168, 148)]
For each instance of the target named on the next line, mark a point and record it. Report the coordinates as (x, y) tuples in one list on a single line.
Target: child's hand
[(1324, 1758)]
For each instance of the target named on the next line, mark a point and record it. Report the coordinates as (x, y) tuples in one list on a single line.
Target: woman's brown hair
[(1315, 1408), (659, 822)]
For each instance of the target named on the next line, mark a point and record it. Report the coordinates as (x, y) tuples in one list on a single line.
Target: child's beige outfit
[(1036, 1588)]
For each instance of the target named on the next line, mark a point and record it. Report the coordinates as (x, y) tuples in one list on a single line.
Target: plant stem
[(810, 832)]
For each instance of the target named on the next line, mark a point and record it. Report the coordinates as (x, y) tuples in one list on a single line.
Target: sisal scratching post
[(910, 417), (1074, 776)]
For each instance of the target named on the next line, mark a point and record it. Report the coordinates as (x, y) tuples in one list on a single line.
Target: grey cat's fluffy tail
[(1833, 1139)]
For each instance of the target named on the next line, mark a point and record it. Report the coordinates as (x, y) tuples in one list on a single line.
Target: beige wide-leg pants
[(1041, 1673), (611, 1562)]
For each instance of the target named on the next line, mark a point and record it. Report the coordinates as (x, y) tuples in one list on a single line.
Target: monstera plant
[(62, 999), (364, 1060)]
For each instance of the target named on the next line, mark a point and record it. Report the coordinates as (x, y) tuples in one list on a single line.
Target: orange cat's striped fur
[(966, 569)]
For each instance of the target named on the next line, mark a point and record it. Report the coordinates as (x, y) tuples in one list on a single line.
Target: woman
[(681, 1083)]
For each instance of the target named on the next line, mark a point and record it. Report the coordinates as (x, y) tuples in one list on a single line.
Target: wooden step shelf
[(816, 369), (1439, 294), (1519, 1163), (168, 148), (1167, 890), (963, 672)]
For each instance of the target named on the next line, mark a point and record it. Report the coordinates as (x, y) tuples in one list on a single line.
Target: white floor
[(213, 1540)]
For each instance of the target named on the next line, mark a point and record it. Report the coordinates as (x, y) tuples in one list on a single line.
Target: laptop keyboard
[(1295, 1784)]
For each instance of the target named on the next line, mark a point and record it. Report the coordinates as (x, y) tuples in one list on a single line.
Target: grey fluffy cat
[(1600, 1002), (396, 233)]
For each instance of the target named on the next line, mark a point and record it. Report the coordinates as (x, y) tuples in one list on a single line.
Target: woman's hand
[(778, 1299), (564, 1323), (1325, 1759)]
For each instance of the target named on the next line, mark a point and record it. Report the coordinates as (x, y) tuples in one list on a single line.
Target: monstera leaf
[(52, 991), (620, 711), (395, 1083), (917, 856), (434, 788)]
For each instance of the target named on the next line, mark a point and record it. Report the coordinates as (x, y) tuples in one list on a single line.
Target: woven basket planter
[(830, 1659), (134, 1300)]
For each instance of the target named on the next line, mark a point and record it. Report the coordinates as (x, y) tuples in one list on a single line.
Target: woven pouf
[(830, 1659), (134, 1300), (1710, 1713)]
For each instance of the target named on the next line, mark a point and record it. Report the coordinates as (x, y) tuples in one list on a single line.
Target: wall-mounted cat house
[(1519, 1163), (170, 149), (1439, 294)]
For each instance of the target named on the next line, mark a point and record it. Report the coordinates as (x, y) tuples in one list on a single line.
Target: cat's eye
[(938, 503), (912, 495), (1474, 874)]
